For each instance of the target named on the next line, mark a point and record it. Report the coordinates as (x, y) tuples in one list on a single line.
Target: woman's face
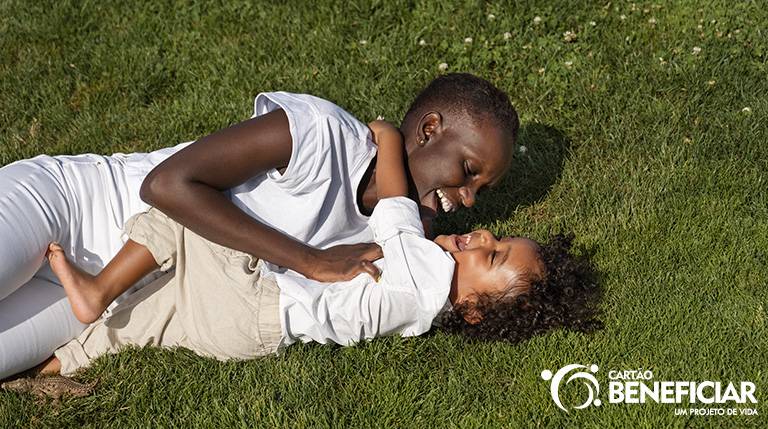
[(456, 162)]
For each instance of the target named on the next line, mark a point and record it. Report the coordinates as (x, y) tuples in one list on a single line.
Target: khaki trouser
[(216, 303)]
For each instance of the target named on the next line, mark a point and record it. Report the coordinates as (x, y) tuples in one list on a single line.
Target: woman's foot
[(85, 294)]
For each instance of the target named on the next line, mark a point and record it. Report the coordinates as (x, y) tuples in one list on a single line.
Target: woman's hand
[(344, 262)]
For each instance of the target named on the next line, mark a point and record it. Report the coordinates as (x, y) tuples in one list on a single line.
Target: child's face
[(485, 265)]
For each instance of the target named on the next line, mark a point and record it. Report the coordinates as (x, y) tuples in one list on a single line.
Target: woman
[(293, 185)]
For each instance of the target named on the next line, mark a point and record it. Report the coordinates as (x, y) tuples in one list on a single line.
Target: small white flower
[(442, 67), (422, 42), (746, 110), (622, 17), (592, 23), (696, 50), (710, 82), (569, 36), (522, 149), (699, 27), (662, 61), (507, 35), (714, 21), (569, 64), (363, 42), (537, 20), (467, 40), (491, 16), (652, 21), (542, 70)]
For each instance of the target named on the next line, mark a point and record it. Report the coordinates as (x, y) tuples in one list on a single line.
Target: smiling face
[(458, 159), (487, 266)]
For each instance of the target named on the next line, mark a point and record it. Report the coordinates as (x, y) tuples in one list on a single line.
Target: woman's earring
[(421, 142)]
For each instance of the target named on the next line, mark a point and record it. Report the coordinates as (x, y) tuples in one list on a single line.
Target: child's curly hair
[(566, 296)]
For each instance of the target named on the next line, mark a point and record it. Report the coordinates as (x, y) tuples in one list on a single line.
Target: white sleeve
[(414, 264), (309, 145), (393, 216)]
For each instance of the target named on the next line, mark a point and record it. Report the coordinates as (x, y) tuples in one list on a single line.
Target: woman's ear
[(429, 124)]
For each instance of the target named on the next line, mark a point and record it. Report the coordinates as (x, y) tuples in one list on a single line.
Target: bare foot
[(85, 294)]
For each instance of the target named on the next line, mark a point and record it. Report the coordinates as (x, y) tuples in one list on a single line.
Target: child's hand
[(385, 134)]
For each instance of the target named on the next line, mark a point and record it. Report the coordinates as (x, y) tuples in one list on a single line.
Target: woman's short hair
[(469, 95)]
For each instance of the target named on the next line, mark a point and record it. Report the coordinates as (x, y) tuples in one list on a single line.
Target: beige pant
[(216, 303)]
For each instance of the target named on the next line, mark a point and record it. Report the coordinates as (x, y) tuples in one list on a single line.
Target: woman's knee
[(33, 211), (34, 321)]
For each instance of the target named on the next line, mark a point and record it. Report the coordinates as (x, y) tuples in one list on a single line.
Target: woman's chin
[(429, 205)]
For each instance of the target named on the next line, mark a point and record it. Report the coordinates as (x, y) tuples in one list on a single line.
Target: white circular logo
[(588, 380)]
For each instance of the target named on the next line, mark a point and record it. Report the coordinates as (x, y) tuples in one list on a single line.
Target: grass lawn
[(646, 136)]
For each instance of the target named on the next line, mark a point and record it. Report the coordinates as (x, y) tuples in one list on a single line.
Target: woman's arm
[(391, 179), (189, 185)]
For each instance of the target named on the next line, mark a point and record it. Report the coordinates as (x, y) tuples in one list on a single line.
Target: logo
[(588, 380), (695, 398)]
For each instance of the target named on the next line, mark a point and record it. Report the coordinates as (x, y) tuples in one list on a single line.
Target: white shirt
[(314, 200), (413, 289)]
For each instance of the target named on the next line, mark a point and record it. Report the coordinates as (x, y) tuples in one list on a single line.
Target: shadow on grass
[(538, 163)]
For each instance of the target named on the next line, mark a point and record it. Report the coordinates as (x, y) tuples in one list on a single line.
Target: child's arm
[(391, 179)]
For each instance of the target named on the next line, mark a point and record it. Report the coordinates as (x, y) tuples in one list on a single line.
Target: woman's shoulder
[(307, 105)]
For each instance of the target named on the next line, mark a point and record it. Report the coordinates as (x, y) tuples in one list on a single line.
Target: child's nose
[(487, 237)]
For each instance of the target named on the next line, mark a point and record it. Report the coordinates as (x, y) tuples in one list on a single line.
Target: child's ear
[(473, 315)]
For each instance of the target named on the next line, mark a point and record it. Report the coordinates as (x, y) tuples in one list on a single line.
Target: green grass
[(636, 143)]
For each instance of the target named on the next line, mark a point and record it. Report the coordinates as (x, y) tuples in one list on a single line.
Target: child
[(224, 303)]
